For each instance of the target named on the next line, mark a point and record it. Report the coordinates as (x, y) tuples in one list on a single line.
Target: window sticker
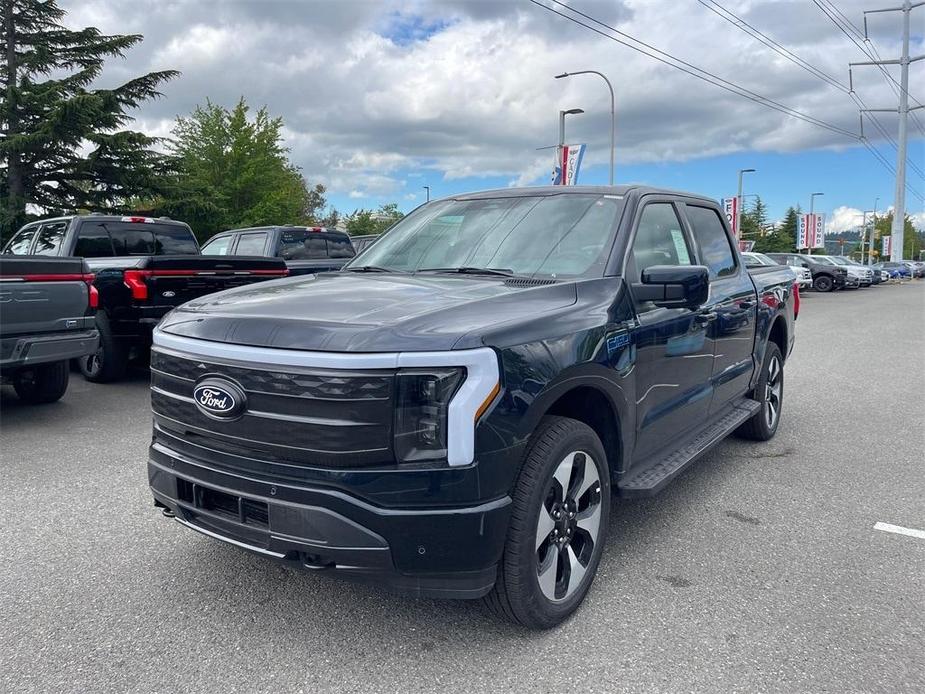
[(680, 247)]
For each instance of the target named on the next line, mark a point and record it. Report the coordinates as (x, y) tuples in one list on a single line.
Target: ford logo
[(219, 398)]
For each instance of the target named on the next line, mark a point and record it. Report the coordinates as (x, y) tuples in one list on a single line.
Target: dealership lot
[(758, 569)]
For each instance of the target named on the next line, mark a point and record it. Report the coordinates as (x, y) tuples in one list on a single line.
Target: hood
[(366, 312)]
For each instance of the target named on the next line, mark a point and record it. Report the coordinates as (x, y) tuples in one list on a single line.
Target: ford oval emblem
[(168, 294), (219, 398)]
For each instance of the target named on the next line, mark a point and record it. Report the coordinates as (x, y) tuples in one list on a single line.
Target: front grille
[(294, 418)]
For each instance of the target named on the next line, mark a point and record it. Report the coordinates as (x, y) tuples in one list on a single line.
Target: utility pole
[(561, 145), (873, 234), (899, 206), (739, 202)]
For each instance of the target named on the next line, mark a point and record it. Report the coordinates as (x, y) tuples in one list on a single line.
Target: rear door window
[(711, 238), (93, 241), (302, 244), (49, 239), (251, 244), (19, 244)]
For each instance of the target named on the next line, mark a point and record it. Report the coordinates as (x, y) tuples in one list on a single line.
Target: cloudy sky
[(383, 97)]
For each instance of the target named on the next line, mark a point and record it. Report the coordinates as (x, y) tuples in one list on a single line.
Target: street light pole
[(812, 199), (613, 117), (873, 234), (562, 115), (739, 201), (427, 190)]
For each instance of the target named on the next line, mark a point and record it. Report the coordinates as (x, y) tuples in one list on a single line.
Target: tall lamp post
[(812, 200), (873, 234), (613, 118), (739, 201), (562, 115), (427, 191)]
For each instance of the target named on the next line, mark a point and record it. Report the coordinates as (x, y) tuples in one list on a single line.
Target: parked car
[(46, 320), (306, 250), (896, 269), (361, 243), (449, 414), (875, 275), (863, 273), (143, 268), (802, 276), (915, 267), (826, 276)]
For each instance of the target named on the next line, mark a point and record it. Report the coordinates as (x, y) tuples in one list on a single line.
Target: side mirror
[(674, 286)]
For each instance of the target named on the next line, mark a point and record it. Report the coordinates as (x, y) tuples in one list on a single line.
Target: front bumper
[(429, 552), (24, 351)]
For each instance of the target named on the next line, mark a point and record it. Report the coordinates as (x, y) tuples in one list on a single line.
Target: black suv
[(825, 277)]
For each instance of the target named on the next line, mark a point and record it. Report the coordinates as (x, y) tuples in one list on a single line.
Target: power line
[(729, 16), (700, 73), (690, 69)]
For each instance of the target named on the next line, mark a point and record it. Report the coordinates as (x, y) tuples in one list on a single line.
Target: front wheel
[(558, 526), (823, 283), (770, 393)]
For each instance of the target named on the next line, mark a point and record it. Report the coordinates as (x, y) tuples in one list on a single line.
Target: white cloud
[(361, 101)]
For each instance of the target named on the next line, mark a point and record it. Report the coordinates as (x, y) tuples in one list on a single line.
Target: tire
[(42, 383), (770, 389), (110, 361), (533, 588), (823, 283)]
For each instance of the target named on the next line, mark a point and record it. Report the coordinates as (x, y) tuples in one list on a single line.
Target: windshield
[(840, 261), (822, 260), (566, 235)]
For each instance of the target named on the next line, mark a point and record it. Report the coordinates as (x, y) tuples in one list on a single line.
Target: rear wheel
[(558, 526), (42, 383), (823, 283), (110, 361), (770, 393)]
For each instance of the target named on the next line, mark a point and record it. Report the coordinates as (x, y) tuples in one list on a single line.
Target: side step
[(651, 478)]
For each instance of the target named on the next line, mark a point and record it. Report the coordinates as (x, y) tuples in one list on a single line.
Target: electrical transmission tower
[(899, 207)]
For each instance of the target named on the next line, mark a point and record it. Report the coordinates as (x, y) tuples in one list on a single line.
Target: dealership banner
[(811, 231), (731, 208), (887, 242), (568, 160)]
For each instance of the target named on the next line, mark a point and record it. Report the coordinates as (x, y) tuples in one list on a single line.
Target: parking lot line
[(899, 530)]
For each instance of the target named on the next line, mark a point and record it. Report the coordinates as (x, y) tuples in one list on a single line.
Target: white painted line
[(899, 530)]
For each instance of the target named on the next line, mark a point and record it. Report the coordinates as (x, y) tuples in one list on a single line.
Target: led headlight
[(422, 399)]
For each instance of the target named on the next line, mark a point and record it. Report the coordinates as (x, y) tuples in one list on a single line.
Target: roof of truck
[(621, 190)]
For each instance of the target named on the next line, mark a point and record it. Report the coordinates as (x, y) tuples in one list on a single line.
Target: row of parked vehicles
[(826, 273)]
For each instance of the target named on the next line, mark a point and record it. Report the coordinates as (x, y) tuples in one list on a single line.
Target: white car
[(803, 276), (863, 274)]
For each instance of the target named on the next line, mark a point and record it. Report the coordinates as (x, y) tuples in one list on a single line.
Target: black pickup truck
[(46, 319), (143, 268), (450, 414), (306, 250)]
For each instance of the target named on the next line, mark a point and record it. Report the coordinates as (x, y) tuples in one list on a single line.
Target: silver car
[(863, 274), (803, 276)]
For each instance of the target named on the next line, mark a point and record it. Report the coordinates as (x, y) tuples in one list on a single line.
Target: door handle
[(747, 304), (706, 317)]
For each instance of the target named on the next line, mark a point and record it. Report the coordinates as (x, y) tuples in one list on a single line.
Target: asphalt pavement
[(759, 569)]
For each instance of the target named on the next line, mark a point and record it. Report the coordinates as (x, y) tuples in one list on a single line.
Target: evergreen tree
[(49, 116), (755, 220), (783, 238), (234, 172)]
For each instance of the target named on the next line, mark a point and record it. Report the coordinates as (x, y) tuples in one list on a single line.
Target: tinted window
[(711, 238), (101, 239), (93, 242), (251, 244), (567, 234), (218, 246), (19, 244), (302, 244), (49, 238), (659, 239), (339, 247)]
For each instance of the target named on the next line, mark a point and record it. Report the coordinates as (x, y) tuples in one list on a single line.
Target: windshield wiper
[(504, 272), (367, 268)]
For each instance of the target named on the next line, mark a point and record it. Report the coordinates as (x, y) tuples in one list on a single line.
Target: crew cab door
[(674, 358), (729, 314)]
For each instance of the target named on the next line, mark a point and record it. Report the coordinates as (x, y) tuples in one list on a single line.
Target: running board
[(653, 477)]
